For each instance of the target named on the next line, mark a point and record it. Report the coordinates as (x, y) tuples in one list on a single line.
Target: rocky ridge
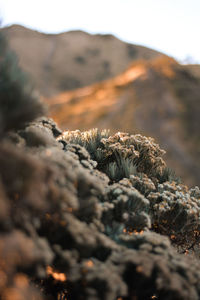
[(69, 60)]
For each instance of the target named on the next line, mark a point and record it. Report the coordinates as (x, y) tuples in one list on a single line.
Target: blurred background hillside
[(99, 80)]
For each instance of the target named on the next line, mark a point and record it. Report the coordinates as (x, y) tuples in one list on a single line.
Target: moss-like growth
[(72, 230)]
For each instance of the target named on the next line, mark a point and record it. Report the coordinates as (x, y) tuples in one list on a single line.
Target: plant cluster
[(120, 155), (72, 230), (175, 212)]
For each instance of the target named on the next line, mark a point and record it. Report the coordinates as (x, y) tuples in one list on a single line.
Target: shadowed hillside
[(159, 99), (59, 62), (195, 69)]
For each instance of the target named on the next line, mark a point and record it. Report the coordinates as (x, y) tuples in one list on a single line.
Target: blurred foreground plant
[(18, 101)]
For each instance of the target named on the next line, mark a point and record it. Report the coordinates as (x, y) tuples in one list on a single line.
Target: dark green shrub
[(18, 100)]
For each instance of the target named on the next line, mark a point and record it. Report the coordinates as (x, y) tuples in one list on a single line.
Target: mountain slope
[(59, 62), (159, 98)]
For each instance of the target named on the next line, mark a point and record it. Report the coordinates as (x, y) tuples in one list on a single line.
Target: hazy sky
[(171, 26)]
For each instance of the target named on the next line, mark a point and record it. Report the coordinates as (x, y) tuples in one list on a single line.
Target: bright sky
[(170, 26)]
